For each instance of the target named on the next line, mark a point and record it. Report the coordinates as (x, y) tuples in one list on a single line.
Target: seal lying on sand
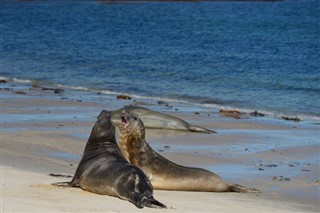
[(103, 169), (157, 120), (163, 173)]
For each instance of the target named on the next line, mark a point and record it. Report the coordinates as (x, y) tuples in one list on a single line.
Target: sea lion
[(157, 120), (104, 170), (163, 173)]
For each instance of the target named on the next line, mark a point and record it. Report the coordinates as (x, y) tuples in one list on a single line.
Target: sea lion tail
[(242, 189), (200, 129)]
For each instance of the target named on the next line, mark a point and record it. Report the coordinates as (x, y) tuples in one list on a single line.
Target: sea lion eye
[(135, 118)]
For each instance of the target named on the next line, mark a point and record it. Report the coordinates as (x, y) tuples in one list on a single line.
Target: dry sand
[(43, 133)]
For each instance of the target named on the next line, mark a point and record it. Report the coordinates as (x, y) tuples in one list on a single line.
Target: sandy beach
[(43, 133)]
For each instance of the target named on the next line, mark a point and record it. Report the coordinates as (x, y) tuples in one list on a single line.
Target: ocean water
[(246, 55)]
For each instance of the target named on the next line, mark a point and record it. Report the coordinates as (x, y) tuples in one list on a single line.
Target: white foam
[(21, 80), (73, 87), (211, 106)]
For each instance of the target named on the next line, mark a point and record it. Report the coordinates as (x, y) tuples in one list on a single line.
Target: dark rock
[(21, 93), (281, 178), (124, 97), (295, 119), (257, 114), (57, 91)]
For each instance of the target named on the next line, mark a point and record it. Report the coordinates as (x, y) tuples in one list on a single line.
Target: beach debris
[(163, 103), (259, 165), (197, 113), (257, 114), (295, 119), (55, 90), (7, 89), (281, 178), (34, 84), (60, 175), (2, 81), (233, 113), (124, 97), (140, 103), (21, 93)]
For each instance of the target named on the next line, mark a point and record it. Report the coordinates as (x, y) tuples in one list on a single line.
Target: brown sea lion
[(163, 173), (104, 170)]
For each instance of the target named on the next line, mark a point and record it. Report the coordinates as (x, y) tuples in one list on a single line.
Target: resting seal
[(163, 173), (104, 170), (157, 120)]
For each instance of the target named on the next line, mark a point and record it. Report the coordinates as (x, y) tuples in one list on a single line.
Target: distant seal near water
[(104, 170), (163, 173), (157, 120)]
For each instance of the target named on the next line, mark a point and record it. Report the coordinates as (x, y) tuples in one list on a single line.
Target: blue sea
[(246, 55)]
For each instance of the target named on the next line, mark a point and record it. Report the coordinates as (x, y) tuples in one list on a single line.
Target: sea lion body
[(163, 173), (104, 170), (157, 120)]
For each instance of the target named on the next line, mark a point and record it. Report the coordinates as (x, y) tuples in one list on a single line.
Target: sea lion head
[(131, 123), (103, 130)]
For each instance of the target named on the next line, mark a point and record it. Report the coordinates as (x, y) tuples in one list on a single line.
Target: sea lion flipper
[(242, 189), (147, 201), (200, 129), (63, 184), (155, 204)]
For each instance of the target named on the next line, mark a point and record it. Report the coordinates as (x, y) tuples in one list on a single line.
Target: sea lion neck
[(131, 142)]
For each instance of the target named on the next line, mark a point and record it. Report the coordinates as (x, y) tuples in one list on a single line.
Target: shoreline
[(172, 105), (45, 133)]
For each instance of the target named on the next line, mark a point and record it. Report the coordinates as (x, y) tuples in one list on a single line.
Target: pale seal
[(157, 120), (163, 173), (104, 170)]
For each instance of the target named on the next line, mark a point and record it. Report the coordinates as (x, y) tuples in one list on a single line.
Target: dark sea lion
[(157, 120), (104, 170), (163, 173)]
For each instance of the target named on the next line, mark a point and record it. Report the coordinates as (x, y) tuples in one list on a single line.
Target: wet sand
[(43, 132)]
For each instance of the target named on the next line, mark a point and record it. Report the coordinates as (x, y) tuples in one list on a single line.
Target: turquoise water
[(246, 55)]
